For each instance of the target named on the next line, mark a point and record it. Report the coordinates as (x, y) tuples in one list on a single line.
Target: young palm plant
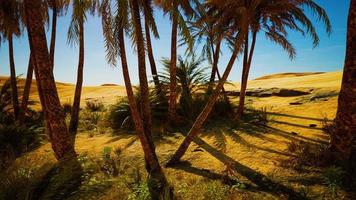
[(191, 78), (178, 12)]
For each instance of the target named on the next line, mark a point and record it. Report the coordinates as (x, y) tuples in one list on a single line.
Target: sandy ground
[(249, 149)]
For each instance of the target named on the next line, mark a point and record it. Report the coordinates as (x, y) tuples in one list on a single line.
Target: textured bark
[(53, 33), (57, 130), (209, 106), (73, 125), (173, 68), (215, 68), (344, 137), (216, 54), (144, 90), (26, 90), (158, 186), (14, 93), (245, 72), (151, 57)]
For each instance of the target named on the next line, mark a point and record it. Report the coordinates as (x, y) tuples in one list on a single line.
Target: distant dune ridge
[(109, 93), (288, 74)]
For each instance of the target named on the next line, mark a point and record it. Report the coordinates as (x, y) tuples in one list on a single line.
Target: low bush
[(120, 114), (308, 154), (259, 117), (333, 177), (16, 139), (94, 105)]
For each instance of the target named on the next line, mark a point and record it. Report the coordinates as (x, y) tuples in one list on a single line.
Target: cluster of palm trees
[(235, 23)]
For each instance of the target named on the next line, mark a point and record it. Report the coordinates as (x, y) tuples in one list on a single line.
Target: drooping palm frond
[(79, 16)]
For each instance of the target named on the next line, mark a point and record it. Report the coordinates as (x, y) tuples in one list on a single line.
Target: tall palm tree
[(11, 26), (114, 28), (174, 7), (235, 23), (237, 15), (58, 7), (150, 26), (343, 140), (269, 17), (75, 36), (57, 131), (212, 34)]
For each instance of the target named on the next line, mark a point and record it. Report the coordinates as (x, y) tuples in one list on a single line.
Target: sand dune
[(109, 94), (296, 80)]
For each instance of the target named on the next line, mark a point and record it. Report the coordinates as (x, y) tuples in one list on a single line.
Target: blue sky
[(268, 58)]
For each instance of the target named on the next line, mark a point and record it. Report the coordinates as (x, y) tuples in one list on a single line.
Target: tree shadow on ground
[(60, 181), (298, 117), (293, 137), (263, 182), (237, 138), (187, 167), (296, 125)]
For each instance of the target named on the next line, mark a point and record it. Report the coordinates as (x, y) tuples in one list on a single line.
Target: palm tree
[(114, 28), (212, 34), (26, 90), (11, 27), (269, 17), (150, 26), (232, 19), (75, 36), (237, 16), (58, 7), (173, 7), (343, 139), (57, 131)]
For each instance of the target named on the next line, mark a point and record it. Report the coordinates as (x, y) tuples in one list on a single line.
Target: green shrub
[(16, 139), (120, 113), (140, 192), (89, 120), (216, 191), (17, 183), (333, 177)]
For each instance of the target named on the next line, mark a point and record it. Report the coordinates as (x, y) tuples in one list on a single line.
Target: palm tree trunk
[(144, 90), (216, 54), (173, 67), (215, 68), (150, 156), (154, 168), (57, 130), (209, 106), (151, 57), (245, 73), (14, 93), (53, 33), (343, 140), (26, 90), (73, 125)]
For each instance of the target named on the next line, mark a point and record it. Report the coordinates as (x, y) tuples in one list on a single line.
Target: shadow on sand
[(263, 182)]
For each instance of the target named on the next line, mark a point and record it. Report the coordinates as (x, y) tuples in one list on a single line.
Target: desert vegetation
[(185, 132)]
